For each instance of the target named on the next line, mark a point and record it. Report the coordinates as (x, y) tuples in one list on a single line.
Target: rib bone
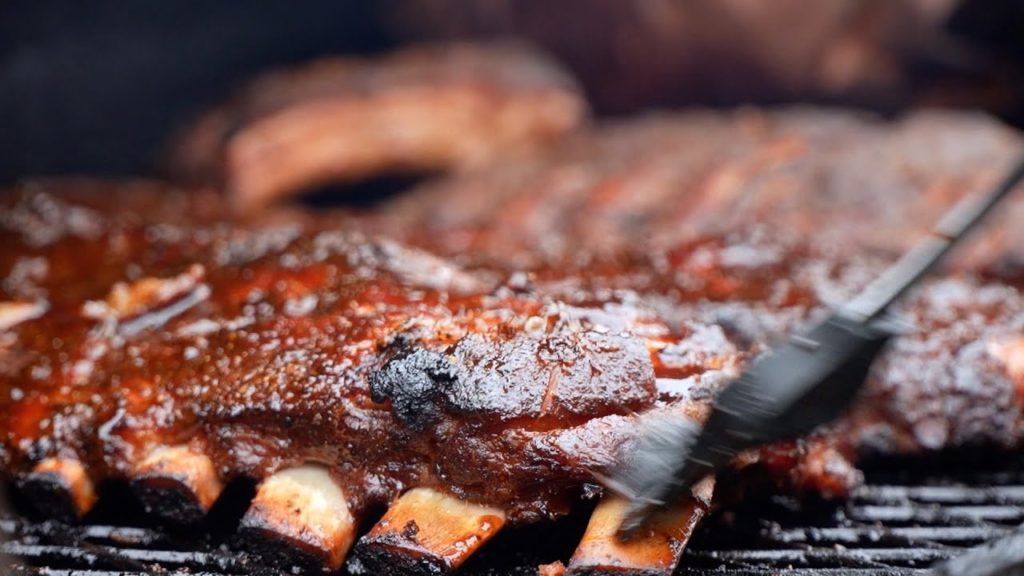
[(426, 532), (300, 516), (655, 551), (59, 488), (16, 312), (177, 484)]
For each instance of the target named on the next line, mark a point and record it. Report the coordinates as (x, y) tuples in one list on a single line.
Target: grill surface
[(905, 517)]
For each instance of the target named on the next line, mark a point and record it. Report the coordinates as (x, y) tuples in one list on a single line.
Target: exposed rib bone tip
[(59, 488), (300, 517), (16, 312), (426, 532), (655, 550), (177, 484)]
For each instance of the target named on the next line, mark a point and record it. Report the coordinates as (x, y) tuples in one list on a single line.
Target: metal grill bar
[(942, 494), (887, 527), (805, 572), (815, 556), (48, 548), (89, 556), (937, 515), (120, 535), (865, 534)]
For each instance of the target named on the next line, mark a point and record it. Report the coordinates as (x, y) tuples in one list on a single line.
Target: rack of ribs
[(343, 119), (345, 372), (832, 176), (464, 385)]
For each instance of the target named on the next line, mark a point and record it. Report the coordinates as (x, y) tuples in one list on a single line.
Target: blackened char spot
[(411, 530), (413, 380)]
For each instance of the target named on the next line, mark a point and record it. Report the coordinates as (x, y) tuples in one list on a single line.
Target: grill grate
[(899, 523)]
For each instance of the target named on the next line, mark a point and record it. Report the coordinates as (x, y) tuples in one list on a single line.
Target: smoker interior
[(116, 75), (907, 515)]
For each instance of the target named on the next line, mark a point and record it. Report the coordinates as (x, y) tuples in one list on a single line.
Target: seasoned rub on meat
[(344, 119), (637, 185)]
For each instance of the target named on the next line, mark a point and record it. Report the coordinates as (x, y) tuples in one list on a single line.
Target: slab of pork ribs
[(483, 369), (337, 120)]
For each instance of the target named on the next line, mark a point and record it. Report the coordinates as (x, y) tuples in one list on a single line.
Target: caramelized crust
[(266, 347), (302, 345)]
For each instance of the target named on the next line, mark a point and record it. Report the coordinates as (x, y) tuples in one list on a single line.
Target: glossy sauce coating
[(267, 345), (135, 319)]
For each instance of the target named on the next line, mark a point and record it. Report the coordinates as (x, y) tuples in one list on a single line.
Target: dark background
[(97, 87)]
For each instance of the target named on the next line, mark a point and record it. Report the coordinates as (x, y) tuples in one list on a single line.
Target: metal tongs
[(797, 387)]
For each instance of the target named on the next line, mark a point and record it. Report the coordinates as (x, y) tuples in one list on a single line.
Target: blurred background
[(97, 87)]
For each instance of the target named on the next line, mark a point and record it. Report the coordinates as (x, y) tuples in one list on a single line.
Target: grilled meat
[(179, 356), (850, 185), (161, 340), (284, 335), (340, 120), (833, 177)]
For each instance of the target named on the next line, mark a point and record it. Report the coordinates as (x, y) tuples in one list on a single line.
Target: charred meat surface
[(342, 119)]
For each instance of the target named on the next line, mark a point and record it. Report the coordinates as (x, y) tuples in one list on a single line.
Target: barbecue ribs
[(832, 176), (180, 355), (486, 367), (342, 120)]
